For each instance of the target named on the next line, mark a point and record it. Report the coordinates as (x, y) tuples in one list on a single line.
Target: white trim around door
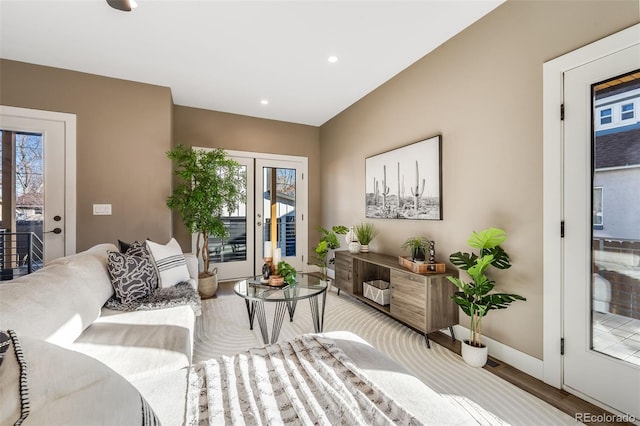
[(68, 122), (553, 214)]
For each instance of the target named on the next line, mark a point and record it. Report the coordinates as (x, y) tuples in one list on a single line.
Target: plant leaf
[(463, 261), (487, 238)]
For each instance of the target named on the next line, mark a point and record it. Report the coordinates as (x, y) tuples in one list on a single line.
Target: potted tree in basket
[(475, 297), (365, 232), (210, 184), (419, 247)]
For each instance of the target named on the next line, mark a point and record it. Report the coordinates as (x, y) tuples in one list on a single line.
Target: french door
[(272, 215), (601, 202), (44, 179)]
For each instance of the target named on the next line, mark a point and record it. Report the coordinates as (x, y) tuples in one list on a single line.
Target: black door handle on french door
[(55, 231)]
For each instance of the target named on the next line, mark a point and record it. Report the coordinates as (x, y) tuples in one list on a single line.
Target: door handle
[(258, 223), (54, 230)]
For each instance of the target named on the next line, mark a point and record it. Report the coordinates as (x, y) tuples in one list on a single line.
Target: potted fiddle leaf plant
[(476, 297), (209, 184), (419, 247)]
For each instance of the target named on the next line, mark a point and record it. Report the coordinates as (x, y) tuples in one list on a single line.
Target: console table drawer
[(344, 272), (413, 315), (410, 286)]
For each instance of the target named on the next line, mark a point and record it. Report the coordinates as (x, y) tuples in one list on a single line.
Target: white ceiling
[(229, 55)]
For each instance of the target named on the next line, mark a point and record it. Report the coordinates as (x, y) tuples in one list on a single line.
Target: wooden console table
[(421, 301)]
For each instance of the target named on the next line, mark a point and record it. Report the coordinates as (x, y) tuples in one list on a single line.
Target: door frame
[(553, 215), (302, 198), (70, 196)]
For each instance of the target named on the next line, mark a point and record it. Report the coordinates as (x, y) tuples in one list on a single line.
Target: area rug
[(223, 329)]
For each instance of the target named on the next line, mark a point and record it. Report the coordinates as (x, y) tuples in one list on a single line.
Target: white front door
[(601, 201), (56, 135)]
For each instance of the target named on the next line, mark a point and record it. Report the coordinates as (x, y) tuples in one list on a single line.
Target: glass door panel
[(233, 255), (277, 203), (22, 186), (615, 287)]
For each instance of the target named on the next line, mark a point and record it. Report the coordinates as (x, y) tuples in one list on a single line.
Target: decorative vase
[(364, 248), (474, 356), (354, 247), (350, 235), (207, 286)]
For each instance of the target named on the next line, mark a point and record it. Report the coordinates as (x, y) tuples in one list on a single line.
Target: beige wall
[(123, 132), (203, 128), (482, 91)]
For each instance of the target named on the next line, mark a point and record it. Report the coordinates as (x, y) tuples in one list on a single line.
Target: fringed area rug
[(307, 380), (223, 329)]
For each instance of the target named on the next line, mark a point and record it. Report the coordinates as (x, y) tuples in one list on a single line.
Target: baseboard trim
[(523, 362)]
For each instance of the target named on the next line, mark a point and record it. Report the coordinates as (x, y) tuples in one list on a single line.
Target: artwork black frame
[(406, 182)]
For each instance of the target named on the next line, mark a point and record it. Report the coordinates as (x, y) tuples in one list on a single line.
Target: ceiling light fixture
[(124, 5), (333, 59), (264, 102)]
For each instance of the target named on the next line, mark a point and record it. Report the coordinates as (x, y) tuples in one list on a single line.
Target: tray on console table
[(422, 268)]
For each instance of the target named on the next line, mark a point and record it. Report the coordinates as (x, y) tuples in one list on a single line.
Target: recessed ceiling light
[(124, 5), (332, 59), (265, 102)]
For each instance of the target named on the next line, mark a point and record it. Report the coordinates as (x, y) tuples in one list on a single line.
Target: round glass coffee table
[(286, 298)]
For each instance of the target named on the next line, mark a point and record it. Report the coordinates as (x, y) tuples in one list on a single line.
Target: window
[(605, 116), (627, 112), (598, 222)]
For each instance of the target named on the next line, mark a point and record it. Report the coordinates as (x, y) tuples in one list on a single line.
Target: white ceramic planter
[(475, 357), (354, 247), (364, 248)]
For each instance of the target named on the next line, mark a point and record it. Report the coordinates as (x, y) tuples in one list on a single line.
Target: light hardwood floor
[(558, 398)]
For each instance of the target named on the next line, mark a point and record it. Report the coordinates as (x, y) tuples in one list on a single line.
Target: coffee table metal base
[(256, 307)]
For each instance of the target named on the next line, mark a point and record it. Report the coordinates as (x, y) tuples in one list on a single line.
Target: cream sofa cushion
[(58, 302), (66, 388), (139, 344)]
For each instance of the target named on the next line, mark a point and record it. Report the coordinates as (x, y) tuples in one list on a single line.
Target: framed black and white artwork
[(405, 183)]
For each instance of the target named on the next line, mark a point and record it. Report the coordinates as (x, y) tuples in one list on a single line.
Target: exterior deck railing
[(21, 253)]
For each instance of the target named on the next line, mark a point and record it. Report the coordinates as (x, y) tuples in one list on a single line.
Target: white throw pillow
[(170, 262)]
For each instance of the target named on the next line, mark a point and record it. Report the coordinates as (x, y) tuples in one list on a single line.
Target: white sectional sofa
[(62, 304), (84, 364)]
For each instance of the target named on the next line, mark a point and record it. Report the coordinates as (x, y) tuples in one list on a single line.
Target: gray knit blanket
[(308, 380), (179, 294)]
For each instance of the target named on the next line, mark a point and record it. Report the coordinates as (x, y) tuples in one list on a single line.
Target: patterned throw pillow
[(170, 262), (131, 276), (140, 249)]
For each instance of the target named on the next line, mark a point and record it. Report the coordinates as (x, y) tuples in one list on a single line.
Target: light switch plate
[(102, 209)]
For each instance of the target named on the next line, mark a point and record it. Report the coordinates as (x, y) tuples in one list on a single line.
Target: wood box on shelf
[(422, 268)]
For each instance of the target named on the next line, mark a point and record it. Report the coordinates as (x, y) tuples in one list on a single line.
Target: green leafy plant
[(287, 272), (328, 241), (475, 297), (210, 184), (418, 246), (365, 232)]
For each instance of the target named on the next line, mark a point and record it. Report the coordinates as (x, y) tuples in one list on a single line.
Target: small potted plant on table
[(419, 247), (475, 297), (365, 232)]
